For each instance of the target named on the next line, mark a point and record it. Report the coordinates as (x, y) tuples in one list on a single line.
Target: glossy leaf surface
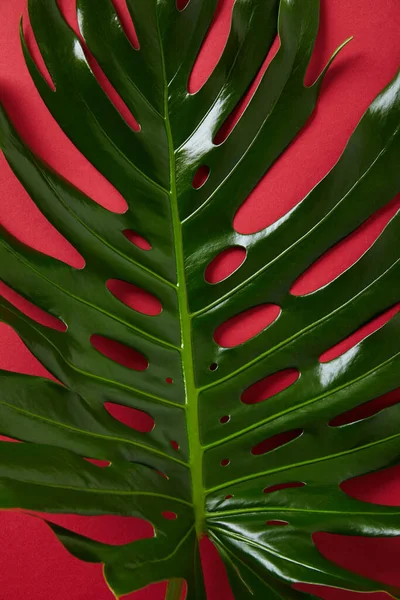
[(259, 477)]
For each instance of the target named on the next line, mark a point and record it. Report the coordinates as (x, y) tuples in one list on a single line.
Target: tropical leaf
[(229, 472)]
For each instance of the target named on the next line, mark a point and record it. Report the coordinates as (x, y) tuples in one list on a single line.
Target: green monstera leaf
[(218, 454)]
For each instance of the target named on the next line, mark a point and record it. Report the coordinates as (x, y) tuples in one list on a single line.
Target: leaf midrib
[(191, 393)]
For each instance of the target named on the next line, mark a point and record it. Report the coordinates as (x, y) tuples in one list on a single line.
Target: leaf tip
[(321, 76)]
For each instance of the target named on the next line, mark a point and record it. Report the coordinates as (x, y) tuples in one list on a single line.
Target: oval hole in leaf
[(212, 47), (181, 4), (246, 325), (213, 367), (367, 409), (275, 442), (379, 554), (98, 462), (5, 438), (225, 264), (345, 253), (169, 515), (135, 297), (200, 177), (169, 380), (270, 386), (359, 335), (30, 310), (380, 487), (107, 529), (137, 240), (276, 523), (225, 462), (123, 355), (225, 419), (283, 486), (132, 417), (229, 497), (175, 445), (229, 123)]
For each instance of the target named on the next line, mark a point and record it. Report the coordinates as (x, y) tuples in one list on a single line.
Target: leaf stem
[(174, 589)]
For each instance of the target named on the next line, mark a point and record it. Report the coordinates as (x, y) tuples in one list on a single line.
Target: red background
[(33, 565)]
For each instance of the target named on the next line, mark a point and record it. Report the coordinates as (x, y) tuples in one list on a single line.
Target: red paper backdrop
[(33, 565)]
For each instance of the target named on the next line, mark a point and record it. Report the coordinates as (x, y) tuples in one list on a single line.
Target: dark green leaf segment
[(259, 478)]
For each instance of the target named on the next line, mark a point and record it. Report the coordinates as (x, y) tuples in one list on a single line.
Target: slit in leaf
[(34, 51), (109, 89), (18, 358), (107, 529), (380, 487), (182, 4), (276, 523), (283, 486), (126, 23), (214, 569), (359, 335), (345, 253), (367, 409), (377, 553), (231, 121), (72, 19), (98, 462), (212, 47), (7, 439), (31, 310)]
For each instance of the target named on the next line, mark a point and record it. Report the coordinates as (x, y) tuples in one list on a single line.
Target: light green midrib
[(191, 393)]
